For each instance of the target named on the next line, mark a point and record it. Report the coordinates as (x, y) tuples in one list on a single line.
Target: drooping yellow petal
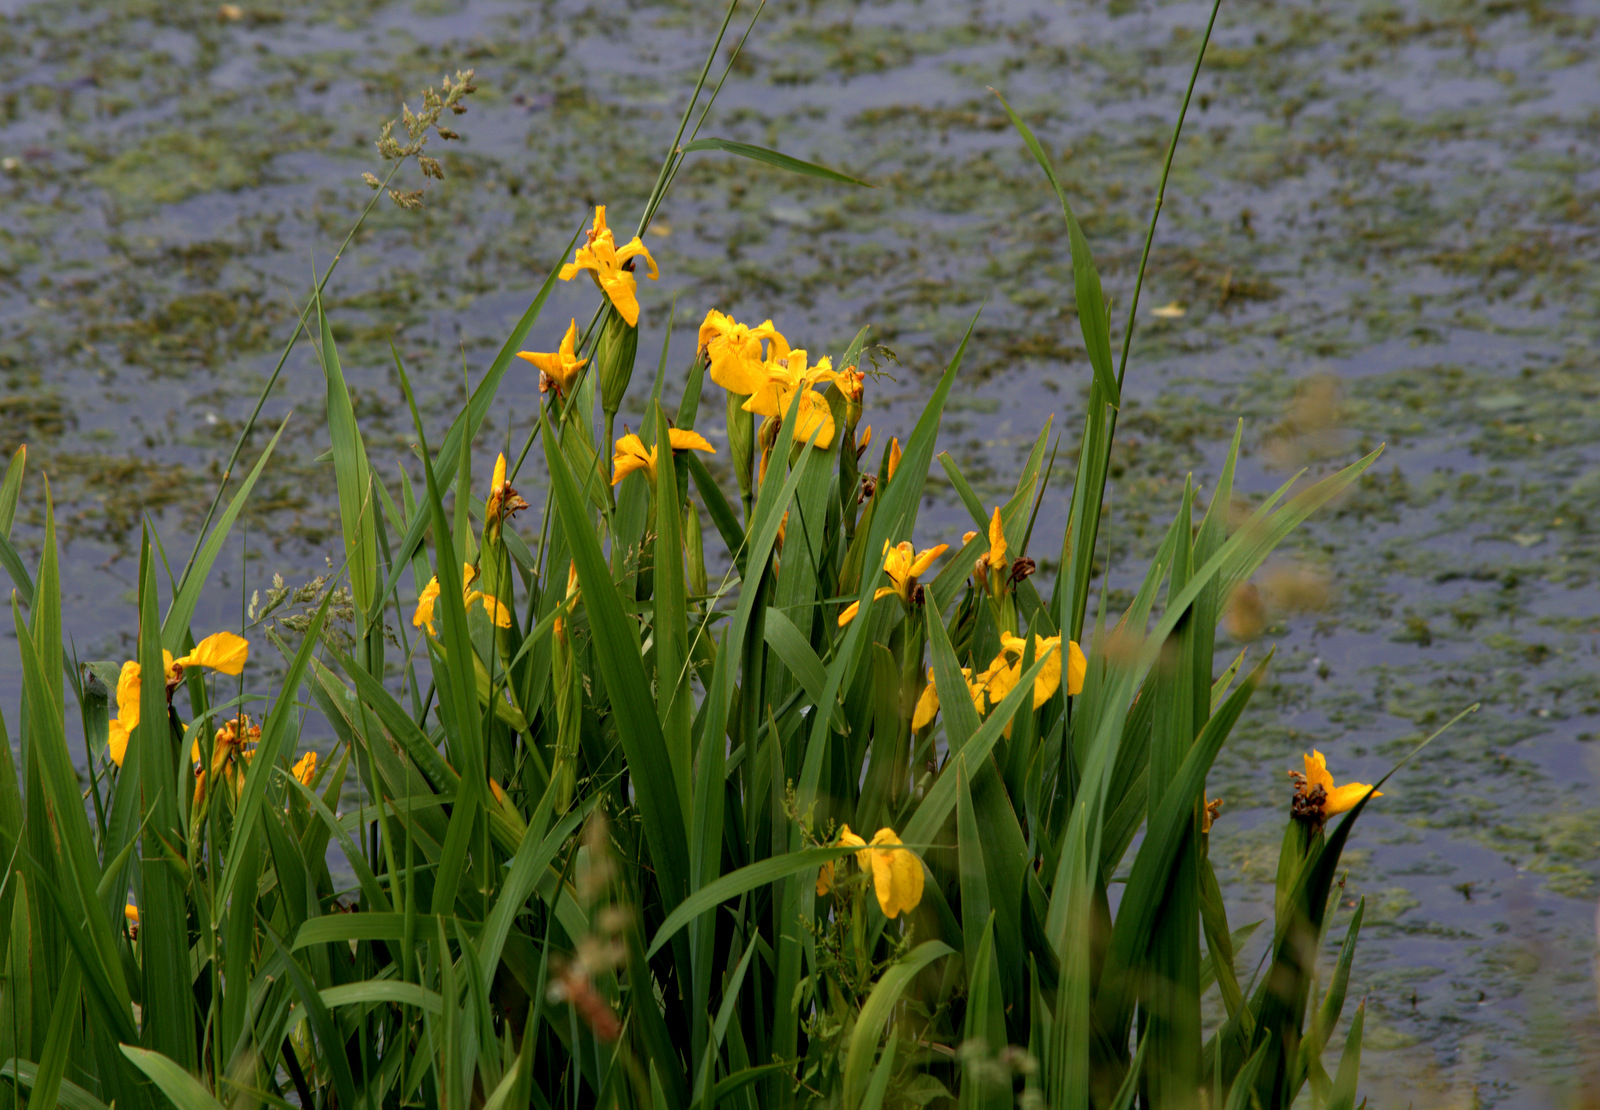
[(1317, 772), (1346, 797), (997, 542), (635, 248), (424, 614), (845, 618), (683, 440), (787, 375), (713, 326), (824, 878), (498, 613), (621, 290), (849, 839), (1077, 668), (1008, 667), (632, 455), (1338, 799), (221, 651), (927, 705), (131, 912), (813, 420), (896, 874), (925, 559), (118, 738), (559, 368), (766, 398), (1000, 678), (305, 768), (825, 874), (777, 346), (128, 694), (127, 718), (1049, 679)]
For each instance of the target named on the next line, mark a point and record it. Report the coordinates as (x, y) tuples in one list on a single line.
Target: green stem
[(1144, 261), (1161, 193)]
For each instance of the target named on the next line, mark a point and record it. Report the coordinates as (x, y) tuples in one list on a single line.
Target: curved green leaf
[(875, 1014), (735, 883), (178, 1085), (773, 158)]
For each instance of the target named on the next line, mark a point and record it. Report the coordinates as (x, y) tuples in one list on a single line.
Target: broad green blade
[(671, 621), (735, 883), (772, 158), (1149, 881), (69, 1095), (1343, 1095), (183, 1089), (351, 472), (875, 1013), (616, 650), (878, 1086), (11, 489)]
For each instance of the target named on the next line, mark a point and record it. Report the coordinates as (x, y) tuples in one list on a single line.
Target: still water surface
[(1382, 226)]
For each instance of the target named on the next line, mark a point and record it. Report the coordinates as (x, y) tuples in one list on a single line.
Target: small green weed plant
[(667, 796)]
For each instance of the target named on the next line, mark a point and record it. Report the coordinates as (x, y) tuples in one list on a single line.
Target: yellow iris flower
[(737, 363), (633, 455), (498, 613), (1006, 669), (1336, 799), (305, 768), (896, 870), (903, 565), (896, 874), (222, 652), (608, 264), (558, 369), (786, 376), (852, 383)]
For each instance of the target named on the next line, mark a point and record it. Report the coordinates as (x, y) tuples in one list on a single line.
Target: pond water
[(1382, 225)]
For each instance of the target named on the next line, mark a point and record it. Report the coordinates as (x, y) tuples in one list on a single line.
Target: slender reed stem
[(272, 380)]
